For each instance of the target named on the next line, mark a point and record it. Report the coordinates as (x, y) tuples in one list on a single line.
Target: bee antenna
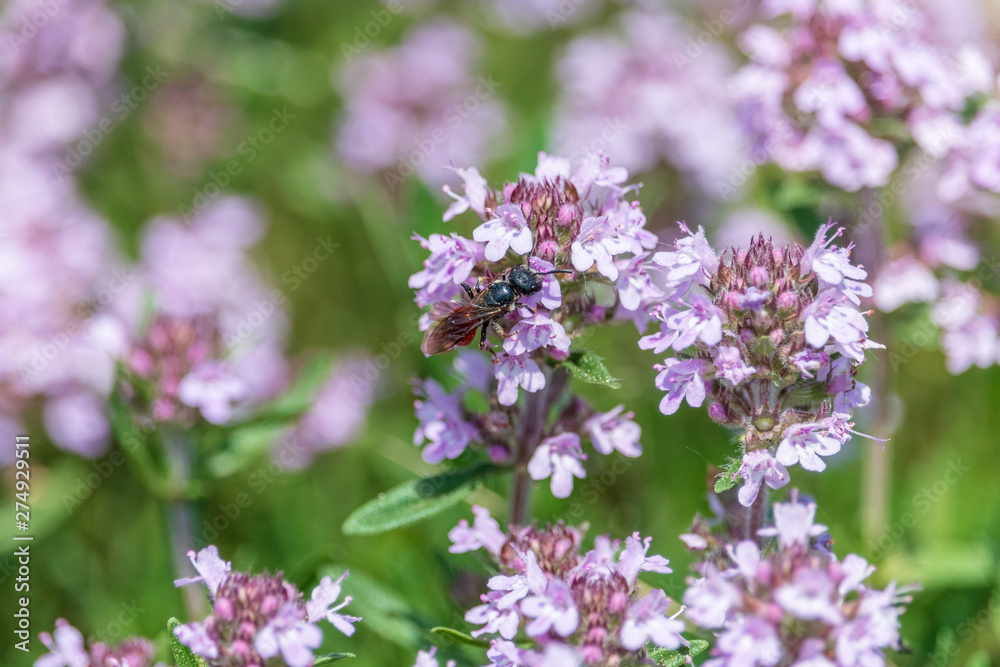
[(547, 273)]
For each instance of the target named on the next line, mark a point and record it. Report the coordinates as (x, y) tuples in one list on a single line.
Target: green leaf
[(459, 637), (679, 657), (183, 656), (590, 368), (415, 500), (331, 657), (727, 478)]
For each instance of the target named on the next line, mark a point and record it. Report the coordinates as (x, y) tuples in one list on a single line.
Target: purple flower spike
[(508, 229)]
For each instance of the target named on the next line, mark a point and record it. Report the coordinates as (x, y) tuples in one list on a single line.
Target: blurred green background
[(105, 564)]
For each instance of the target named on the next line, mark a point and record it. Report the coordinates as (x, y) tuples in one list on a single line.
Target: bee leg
[(468, 290), (524, 305), (484, 344), (499, 330)]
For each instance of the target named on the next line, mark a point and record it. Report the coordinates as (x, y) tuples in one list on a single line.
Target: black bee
[(456, 322)]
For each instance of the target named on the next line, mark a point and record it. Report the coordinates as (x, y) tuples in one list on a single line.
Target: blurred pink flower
[(419, 107)]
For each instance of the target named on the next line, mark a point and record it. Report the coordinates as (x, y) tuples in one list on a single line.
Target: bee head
[(524, 280)]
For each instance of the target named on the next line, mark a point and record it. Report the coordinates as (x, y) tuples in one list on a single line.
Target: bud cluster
[(578, 608), (176, 369), (773, 337), (258, 617), (66, 647)]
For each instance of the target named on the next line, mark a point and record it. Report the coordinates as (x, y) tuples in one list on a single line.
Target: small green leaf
[(679, 657), (415, 500), (460, 637), (726, 479), (590, 368), (331, 657), (183, 656)]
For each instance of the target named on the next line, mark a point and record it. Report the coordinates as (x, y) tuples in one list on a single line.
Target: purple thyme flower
[(610, 431), (552, 610), (475, 194), (682, 380), (321, 603), (212, 570), (793, 524), (485, 532), (729, 365), (598, 243), (66, 647), (508, 229), (558, 457), (450, 263), (213, 388), (805, 443), (646, 621), (759, 466), (514, 372), (692, 262), (703, 322), (535, 332)]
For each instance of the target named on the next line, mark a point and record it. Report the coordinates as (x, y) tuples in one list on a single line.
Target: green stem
[(534, 415)]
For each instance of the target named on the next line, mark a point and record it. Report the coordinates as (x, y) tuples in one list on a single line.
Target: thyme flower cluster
[(771, 337), (578, 608), (793, 603)]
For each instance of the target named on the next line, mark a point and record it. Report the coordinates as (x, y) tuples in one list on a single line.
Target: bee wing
[(454, 321)]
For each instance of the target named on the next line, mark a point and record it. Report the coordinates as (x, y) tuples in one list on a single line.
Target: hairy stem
[(181, 522), (756, 515), (533, 418)]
